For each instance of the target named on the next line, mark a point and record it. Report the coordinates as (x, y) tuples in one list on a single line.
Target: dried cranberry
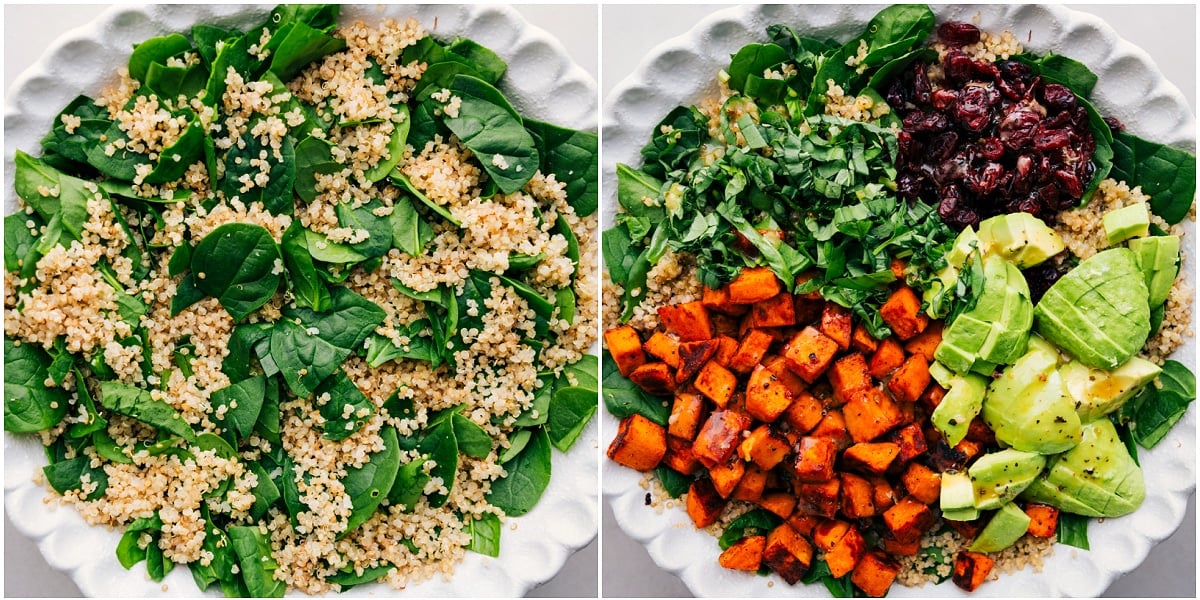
[(949, 204), (925, 122), (985, 181), (908, 185), (1069, 183), (966, 218), (1049, 139), (990, 148), (943, 99), (1114, 125), (1058, 97), (941, 146), (958, 67), (984, 70), (910, 149), (1024, 175), (1017, 127), (922, 89), (956, 33), (973, 109), (1040, 278), (896, 95)]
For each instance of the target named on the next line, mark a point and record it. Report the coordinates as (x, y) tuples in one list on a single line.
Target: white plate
[(682, 71), (542, 82)]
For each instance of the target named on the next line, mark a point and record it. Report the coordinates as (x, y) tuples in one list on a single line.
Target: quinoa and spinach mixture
[(304, 306), (897, 308)]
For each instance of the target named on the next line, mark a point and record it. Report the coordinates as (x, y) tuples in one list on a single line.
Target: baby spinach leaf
[(489, 126), (171, 82), (139, 404), (526, 478), (442, 447), (19, 241), (624, 398), (1059, 69), (410, 233), (290, 488), (241, 171), (340, 422), (301, 44), (307, 287), (308, 352), (755, 522), (350, 319), (395, 147), (1072, 530), (1166, 174), (409, 485), (268, 418), (524, 262), (570, 410), (402, 180), (675, 483), (320, 248), (67, 475), (93, 122), (242, 341), (632, 187), (472, 439), (539, 409), (238, 264), (439, 75), (258, 565), (483, 59), (156, 49), (266, 494), (123, 163), (676, 141), (516, 443), (176, 158), (350, 578), (243, 401), (319, 16), (129, 551), (572, 157), (32, 177), (485, 534), (379, 229), (537, 302), (369, 484), (314, 157), (120, 189), (753, 59), (208, 37), (93, 422), (29, 405)]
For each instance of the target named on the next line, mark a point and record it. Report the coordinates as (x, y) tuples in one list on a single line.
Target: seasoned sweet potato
[(870, 415), (688, 321), (911, 441), (902, 312), (726, 348), (926, 342), (966, 529), (778, 365), (719, 437), (679, 456), (693, 356), (870, 457), (887, 358), (874, 574), (862, 341), (704, 504), (802, 523), (909, 381), (656, 378), (766, 396), (818, 499), (718, 300), (754, 285), (727, 475), (716, 383), (664, 348), (780, 503), (1043, 520), (858, 497), (849, 377), (804, 412), (763, 448), (895, 548), (846, 552), (686, 414), (922, 483), (814, 459), (745, 554), (836, 323), (750, 351), (908, 519), (788, 553), (827, 532), (932, 397), (885, 495), (776, 311), (753, 482), (833, 426), (626, 348), (640, 443), (971, 569), (809, 353)]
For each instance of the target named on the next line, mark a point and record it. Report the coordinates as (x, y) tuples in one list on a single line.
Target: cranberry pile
[(989, 138)]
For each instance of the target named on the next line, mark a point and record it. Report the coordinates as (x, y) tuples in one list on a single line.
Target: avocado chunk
[(1006, 527), (941, 374), (1020, 238), (1010, 334), (996, 330), (941, 288), (1158, 259), (998, 477), (1099, 311), (962, 402), (958, 497), (1098, 392), (1127, 222), (1096, 478), (961, 340), (1028, 407)]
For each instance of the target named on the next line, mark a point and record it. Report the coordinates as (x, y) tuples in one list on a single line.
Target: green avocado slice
[(1052, 324)]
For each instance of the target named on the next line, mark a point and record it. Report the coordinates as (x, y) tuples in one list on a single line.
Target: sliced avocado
[(1020, 238), (941, 374), (998, 477), (1158, 259), (958, 497), (1028, 407), (1006, 527), (1009, 335), (966, 243), (990, 306), (1037, 343), (1053, 325), (1127, 222), (1097, 392), (935, 296), (1096, 478), (955, 358), (963, 400)]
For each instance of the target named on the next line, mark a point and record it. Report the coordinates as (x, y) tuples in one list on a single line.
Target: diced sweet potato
[(971, 569), (898, 267), (967, 530), (688, 321), (902, 312), (686, 414), (845, 552), (926, 342), (870, 415), (814, 459), (639, 444), (693, 356), (895, 548), (766, 396), (836, 323), (723, 324), (909, 381), (870, 457), (763, 448), (781, 504), (908, 519), (932, 397), (833, 426), (727, 475), (750, 351), (679, 456), (862, 340), (626, 348), (969, 448), (807, 310), (978, 431), (778, 365), (704, 504), (884, 493), (745, 554), (922, 483), (726, 348), (849, 377), (1043, 520), (719, 437), (819, 499), (809, 353), (788, 554), (716, 383), (737, 402), (874, 574), (802, 523), (776, 311), (754, 285), (751, 487), (804, 412), (887, 358), (827, 532), (718, 300), (911, 441), (943, 457), (858, 497), (654, 378), (664, 348)]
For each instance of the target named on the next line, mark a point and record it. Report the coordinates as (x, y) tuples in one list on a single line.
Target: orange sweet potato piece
[(664, 348), (655, 378), (895, 548), (846, 552), (932, 397), (754, 285), (718, 300), (862, 341), (766, 396), (836, 323), (679, 456), (911, 441), (922, 483), (966, 529), (849, 377), (870, 457), (726, 348), (908, 519), (763, 448), (807, 310), (704, 504), (719, 437), (788, 554), (827, 532), (626, 348), (727, 475), (778, 365), (745, 554), (971, 569), (780, 503), (1043, 520), (902, 312), (870, 415), (753, 482), (874, 574), (802, 523), (776, 311), (814, 459), (750, 351), (716, 383), (858, 497), (898, 268), (833, 426), (818, 499), (688, 321), (884, 494), (926, 342), (887, 358), (910, 380), (686, 413), (804, 278), (804, 412), (809, 353), (639, 444), (693, 356)]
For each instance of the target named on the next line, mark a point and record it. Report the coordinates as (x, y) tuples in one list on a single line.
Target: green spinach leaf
[(239, 265), (526, 479), (485, 534), (489, 126), (258, 565), (369, 484), (30, 406), (139, 404)]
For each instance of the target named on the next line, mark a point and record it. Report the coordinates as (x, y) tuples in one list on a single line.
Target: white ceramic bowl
[(542, 82), (682, 71)]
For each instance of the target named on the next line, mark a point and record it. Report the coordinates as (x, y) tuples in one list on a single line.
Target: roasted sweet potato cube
[(874, 574), (719, 437), (884, 494), (902, 312), (754, 285), (911, 441), (654, 378), (727, 475), (693, 356), (686, 414), (870, 457), (858, 497), (967, 530), (726, 348), (833, 426), (922, 483), (804, 412), (895, 548), (862, 340), (802, 523), (926, 342), (664, 348), (814, 459), (818, 499), (788, 554), (781, 504), (887, 358), (978, 431), (778, 365), (932, 397), (750, 351), (836, 323), (1043, 520), (723, 324), (809, 353), (753, 482), (763, 448), (718, 300), (971, 569), (870, 415), (679, 456), (626, 348), (910, 380), (776, 311), (745, 554), (737, 402), (704, 504), (845, 552), (807, 310), (688, 321), (941, 456), (849, 377), (639, 444), (898, 267), (716, 383), (969, 448), (766, 396), (827, 532), (908, 519)]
